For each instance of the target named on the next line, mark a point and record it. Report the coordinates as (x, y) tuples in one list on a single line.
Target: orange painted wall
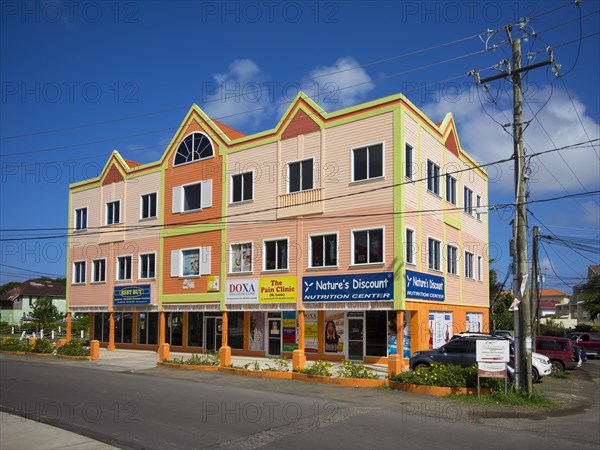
[(174, 285)]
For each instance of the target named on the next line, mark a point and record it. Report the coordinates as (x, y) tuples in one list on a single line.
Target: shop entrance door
[(355, 338), (274, 337), (213, 329)]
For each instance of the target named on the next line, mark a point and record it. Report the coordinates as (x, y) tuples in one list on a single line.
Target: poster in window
[(255, 333), (392, 337), (440, 328), (190, 263), (474, 322), (289, 331), (311, 332), (334, 332), (241, 258), (406, 335)]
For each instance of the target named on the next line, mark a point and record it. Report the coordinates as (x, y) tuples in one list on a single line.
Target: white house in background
[(19, 301), (574, 310)]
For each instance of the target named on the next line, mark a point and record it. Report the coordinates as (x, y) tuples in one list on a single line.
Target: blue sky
[(73, 74)]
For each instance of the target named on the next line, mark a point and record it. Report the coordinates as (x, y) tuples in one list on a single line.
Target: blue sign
[(132, 295), (355, 287), (424, 286)]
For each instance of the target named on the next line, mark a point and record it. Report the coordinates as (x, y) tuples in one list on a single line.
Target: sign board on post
[(492, 356)]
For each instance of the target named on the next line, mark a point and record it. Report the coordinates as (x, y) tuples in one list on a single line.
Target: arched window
[(194, 147)]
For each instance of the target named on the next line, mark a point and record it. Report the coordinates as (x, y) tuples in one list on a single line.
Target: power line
[(367, 191)]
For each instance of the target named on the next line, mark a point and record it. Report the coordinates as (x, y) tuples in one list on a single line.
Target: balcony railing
[(301, 203)]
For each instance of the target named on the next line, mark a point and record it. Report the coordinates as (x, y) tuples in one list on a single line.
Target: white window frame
[(231, 252), (453, 185), (408, 148), (380, 177), (438, 260), (368, 263), (204, 263), (118, 267), (289, 178), (264, 247), (76, 273), (193, 160), (478, 207), (469, 265), (112, 202), (140, 266), (479, 268), (413, 260), (241, 174), (452, 263), (337, 250), (435, 179), (142, 206), (94, 274), (468, 200), (76, 222), (180, 197)]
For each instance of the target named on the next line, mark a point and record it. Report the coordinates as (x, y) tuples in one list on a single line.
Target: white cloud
[(487, 142), (238, 97), (342, 84)]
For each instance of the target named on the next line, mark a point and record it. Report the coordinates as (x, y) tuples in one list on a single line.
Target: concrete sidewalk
[(135, 360), (20, 433)]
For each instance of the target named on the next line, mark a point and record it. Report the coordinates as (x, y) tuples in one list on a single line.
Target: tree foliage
[(45, 311), (500, 317), (590, 292), (8, 286)]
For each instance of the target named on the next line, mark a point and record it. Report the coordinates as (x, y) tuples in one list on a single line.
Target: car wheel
[(558, 366), (535, 376), (421, 366)]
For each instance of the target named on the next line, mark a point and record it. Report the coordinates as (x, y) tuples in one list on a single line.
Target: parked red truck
[(590, 342)]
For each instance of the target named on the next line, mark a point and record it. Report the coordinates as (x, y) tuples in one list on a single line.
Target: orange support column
[(68, 326), (164, 349), (225, 350), (298, 356), (396, 362), (111, 331), (94, 350)]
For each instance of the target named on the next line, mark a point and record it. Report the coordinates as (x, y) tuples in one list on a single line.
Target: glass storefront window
[(194, 332), (105, 326), (118, 327), (127, 328), (377, 328), (235, 332), (98, 327), (152, 328), (174, 335)]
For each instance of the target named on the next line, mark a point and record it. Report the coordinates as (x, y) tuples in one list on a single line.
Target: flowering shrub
[(351, 369), (73, 348), (43, 346), (445, 376), (14, 345), (207, 359), (319, 368)]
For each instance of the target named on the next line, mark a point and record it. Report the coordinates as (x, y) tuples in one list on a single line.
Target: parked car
[(461, 351), (561, 351), (590, 342), (503, 333)]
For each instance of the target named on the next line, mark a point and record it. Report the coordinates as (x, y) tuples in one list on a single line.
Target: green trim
[(398, 202), (191, 229), (209, 297), (69, 259), (224, 250), (161, 246), (451, 221)]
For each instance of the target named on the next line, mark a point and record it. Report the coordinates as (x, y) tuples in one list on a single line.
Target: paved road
[(158, 408)]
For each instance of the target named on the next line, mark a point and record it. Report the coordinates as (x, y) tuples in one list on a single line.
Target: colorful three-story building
[(358, 234)]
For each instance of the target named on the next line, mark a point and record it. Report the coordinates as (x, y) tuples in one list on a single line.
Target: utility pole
[(522, 305), (535, 283)]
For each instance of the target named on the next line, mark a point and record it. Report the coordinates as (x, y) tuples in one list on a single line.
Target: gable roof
[(37, 287), (552, 293)]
